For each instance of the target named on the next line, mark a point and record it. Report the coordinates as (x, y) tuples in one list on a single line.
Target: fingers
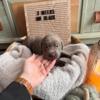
[(45, 63), (43, 70), (50, 66), (46, 66)]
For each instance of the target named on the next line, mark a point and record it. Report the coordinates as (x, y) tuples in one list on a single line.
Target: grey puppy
[(50, 46)]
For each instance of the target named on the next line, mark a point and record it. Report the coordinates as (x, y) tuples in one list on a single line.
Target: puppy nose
[(52, 55)]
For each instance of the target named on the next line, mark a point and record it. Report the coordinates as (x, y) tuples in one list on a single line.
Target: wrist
[(28, 78), (26, 83)]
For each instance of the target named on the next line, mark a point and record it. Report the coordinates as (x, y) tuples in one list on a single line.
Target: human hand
[(36, 69)]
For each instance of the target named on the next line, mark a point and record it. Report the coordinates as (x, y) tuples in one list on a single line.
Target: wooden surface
[(19, 17), (74, 15)]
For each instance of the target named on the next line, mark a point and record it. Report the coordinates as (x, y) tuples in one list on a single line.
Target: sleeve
[(15, 91)]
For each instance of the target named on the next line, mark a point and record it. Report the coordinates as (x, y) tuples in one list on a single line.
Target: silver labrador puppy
[(50, 46)]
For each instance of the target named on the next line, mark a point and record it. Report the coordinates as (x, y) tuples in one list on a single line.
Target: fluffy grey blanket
[(59, 81)]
